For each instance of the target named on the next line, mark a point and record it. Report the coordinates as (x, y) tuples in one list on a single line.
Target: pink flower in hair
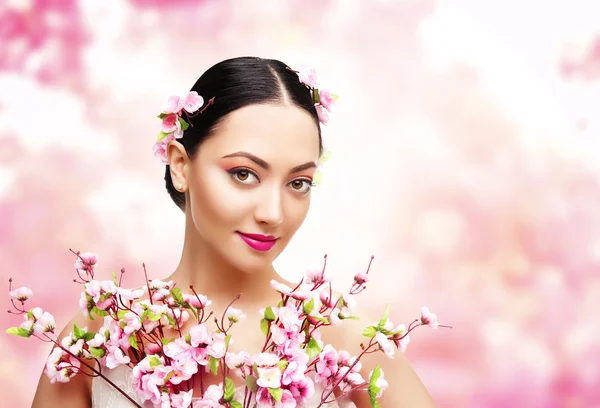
[(174, 105), (323, 114), (326, 99), (160, 148), (308, 76), (192, 102), (170, 123)]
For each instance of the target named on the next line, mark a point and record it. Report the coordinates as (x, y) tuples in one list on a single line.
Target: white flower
[(269, 377), (385, 344)]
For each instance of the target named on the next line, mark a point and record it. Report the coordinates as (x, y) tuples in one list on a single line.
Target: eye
[(244, 176), (301, 185)]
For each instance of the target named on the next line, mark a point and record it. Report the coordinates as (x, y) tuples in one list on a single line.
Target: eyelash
[(236, 171)]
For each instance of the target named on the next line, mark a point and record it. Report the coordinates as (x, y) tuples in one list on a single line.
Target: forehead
[(276, 133)]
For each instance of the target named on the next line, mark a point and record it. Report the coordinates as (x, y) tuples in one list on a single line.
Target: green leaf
[(264, 326), (373, 389), (229, 390), (154, 362), (97, 352), (115, 278), (98, 312), (171, 321), (325, 156), (190, 307), (166, 341), (385, 317), (308, 306), (183, 123), (352, 317), (133, 341), (312, 348), (153, 317), (144, 315), (162, 135), (316, 96), (77, 332), (276, 393), (251, 383), (235, 404), (282, 364), (121, 314), (89, 336), (269, 315), (213, 364), (177, 295), (162, 115), (318, 177), (19, 331), (227, 340), (370, 331)]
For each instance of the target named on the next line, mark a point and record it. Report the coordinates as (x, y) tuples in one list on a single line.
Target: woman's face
[(249, 186)]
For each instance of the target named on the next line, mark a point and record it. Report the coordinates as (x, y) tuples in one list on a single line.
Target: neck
[(212, 275)]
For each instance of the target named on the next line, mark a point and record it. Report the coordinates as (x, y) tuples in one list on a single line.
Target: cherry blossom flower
[(326, 99), (308, 76), (86, 261), (401, 338), (428, 318), (192, 102), (323, 114), (234, 315), (385, 344), (173, 105), (115, 357), (21, 294), (269, 377), (281, 288), (380, 382)]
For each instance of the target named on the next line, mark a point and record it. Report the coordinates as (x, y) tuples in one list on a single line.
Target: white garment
[(105, 396)]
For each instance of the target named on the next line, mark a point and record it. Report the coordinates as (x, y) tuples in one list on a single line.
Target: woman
[(242, 173)]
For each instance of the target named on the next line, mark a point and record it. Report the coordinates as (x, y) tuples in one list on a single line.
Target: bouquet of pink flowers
[(292, 360)]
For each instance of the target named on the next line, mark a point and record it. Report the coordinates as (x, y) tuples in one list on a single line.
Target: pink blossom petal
[(192, 102), (323, 114), (173, 105)]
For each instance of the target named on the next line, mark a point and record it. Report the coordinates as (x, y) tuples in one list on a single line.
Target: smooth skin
[(253, 175)]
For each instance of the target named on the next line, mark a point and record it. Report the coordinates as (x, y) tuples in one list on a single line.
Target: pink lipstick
[(258, 242)]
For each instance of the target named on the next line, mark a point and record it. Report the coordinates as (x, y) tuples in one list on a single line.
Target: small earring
[(179, 186)]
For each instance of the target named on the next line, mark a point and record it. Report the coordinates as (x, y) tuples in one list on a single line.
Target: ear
[(178, 164)]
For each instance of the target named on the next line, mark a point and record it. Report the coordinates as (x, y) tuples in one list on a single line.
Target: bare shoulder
[(405, 387), (77, 392)]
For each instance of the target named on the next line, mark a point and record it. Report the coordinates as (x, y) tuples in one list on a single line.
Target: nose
[(269, 210)]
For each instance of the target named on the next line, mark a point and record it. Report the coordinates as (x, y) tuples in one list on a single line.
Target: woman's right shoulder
[(76, 393)]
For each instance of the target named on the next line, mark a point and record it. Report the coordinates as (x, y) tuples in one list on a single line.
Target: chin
[(250, 261), (251, 264)]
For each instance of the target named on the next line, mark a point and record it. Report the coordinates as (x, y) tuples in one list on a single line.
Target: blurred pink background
[(465, 158)]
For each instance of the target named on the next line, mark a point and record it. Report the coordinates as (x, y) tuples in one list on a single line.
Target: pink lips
[(258, 242)]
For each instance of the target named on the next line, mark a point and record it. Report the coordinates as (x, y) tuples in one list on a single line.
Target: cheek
[(216, 203), (295, 212)]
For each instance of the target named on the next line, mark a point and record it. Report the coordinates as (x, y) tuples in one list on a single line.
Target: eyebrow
[(266, 166)]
